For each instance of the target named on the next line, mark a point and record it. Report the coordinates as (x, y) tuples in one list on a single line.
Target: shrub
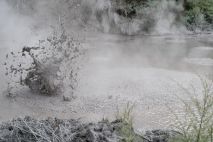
[(126, 130), (198, 125), (198, 14)]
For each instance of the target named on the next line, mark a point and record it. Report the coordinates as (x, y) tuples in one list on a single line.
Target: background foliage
[(197, 14)]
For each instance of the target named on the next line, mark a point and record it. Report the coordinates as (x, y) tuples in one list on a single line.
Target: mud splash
[(49, 69)]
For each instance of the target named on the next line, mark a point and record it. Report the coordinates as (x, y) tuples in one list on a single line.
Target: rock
[(66, 99), (30, 129), (129, 14), (57, 130), (159, 135)]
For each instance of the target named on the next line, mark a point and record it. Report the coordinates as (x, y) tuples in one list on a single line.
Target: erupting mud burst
[(50, 68)]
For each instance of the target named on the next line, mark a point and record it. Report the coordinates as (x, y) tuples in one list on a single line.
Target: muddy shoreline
[(53, 129)]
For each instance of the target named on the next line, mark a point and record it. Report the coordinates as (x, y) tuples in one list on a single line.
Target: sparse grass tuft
[(126, 130), (198, 125)]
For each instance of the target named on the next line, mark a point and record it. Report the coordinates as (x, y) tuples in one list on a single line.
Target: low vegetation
[(198, 123), (126, 129), (196, 14)]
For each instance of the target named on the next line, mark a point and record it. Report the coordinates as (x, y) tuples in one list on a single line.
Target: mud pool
[(142, 70)]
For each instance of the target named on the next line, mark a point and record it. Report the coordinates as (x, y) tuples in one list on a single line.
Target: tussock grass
[(198, 123), (126, 130)]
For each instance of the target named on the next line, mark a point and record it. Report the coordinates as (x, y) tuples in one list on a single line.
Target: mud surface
[(145, 71)]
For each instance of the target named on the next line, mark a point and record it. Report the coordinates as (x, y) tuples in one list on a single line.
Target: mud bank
[(144, 71), (58, 130)]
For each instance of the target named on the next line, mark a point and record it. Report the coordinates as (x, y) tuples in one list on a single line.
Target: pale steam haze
[(14, 27), (166, 18), (163, 18), (139, 60), (37, 15)]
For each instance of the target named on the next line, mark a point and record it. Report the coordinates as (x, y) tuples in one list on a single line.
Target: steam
[(159, 18), (27, 21), (166, 14), (14, 27), (26, 16)]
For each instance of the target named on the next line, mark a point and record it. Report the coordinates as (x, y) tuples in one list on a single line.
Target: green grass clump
[(198, 124), (126, 129)]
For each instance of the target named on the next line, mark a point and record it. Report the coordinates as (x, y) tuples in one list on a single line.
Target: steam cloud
[(160, 18), (23, 16)]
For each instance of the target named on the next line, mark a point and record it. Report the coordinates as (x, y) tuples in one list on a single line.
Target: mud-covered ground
[(118, 70), (143, 70)]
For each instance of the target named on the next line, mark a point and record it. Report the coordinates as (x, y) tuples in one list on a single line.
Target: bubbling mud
[(49, 69)]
